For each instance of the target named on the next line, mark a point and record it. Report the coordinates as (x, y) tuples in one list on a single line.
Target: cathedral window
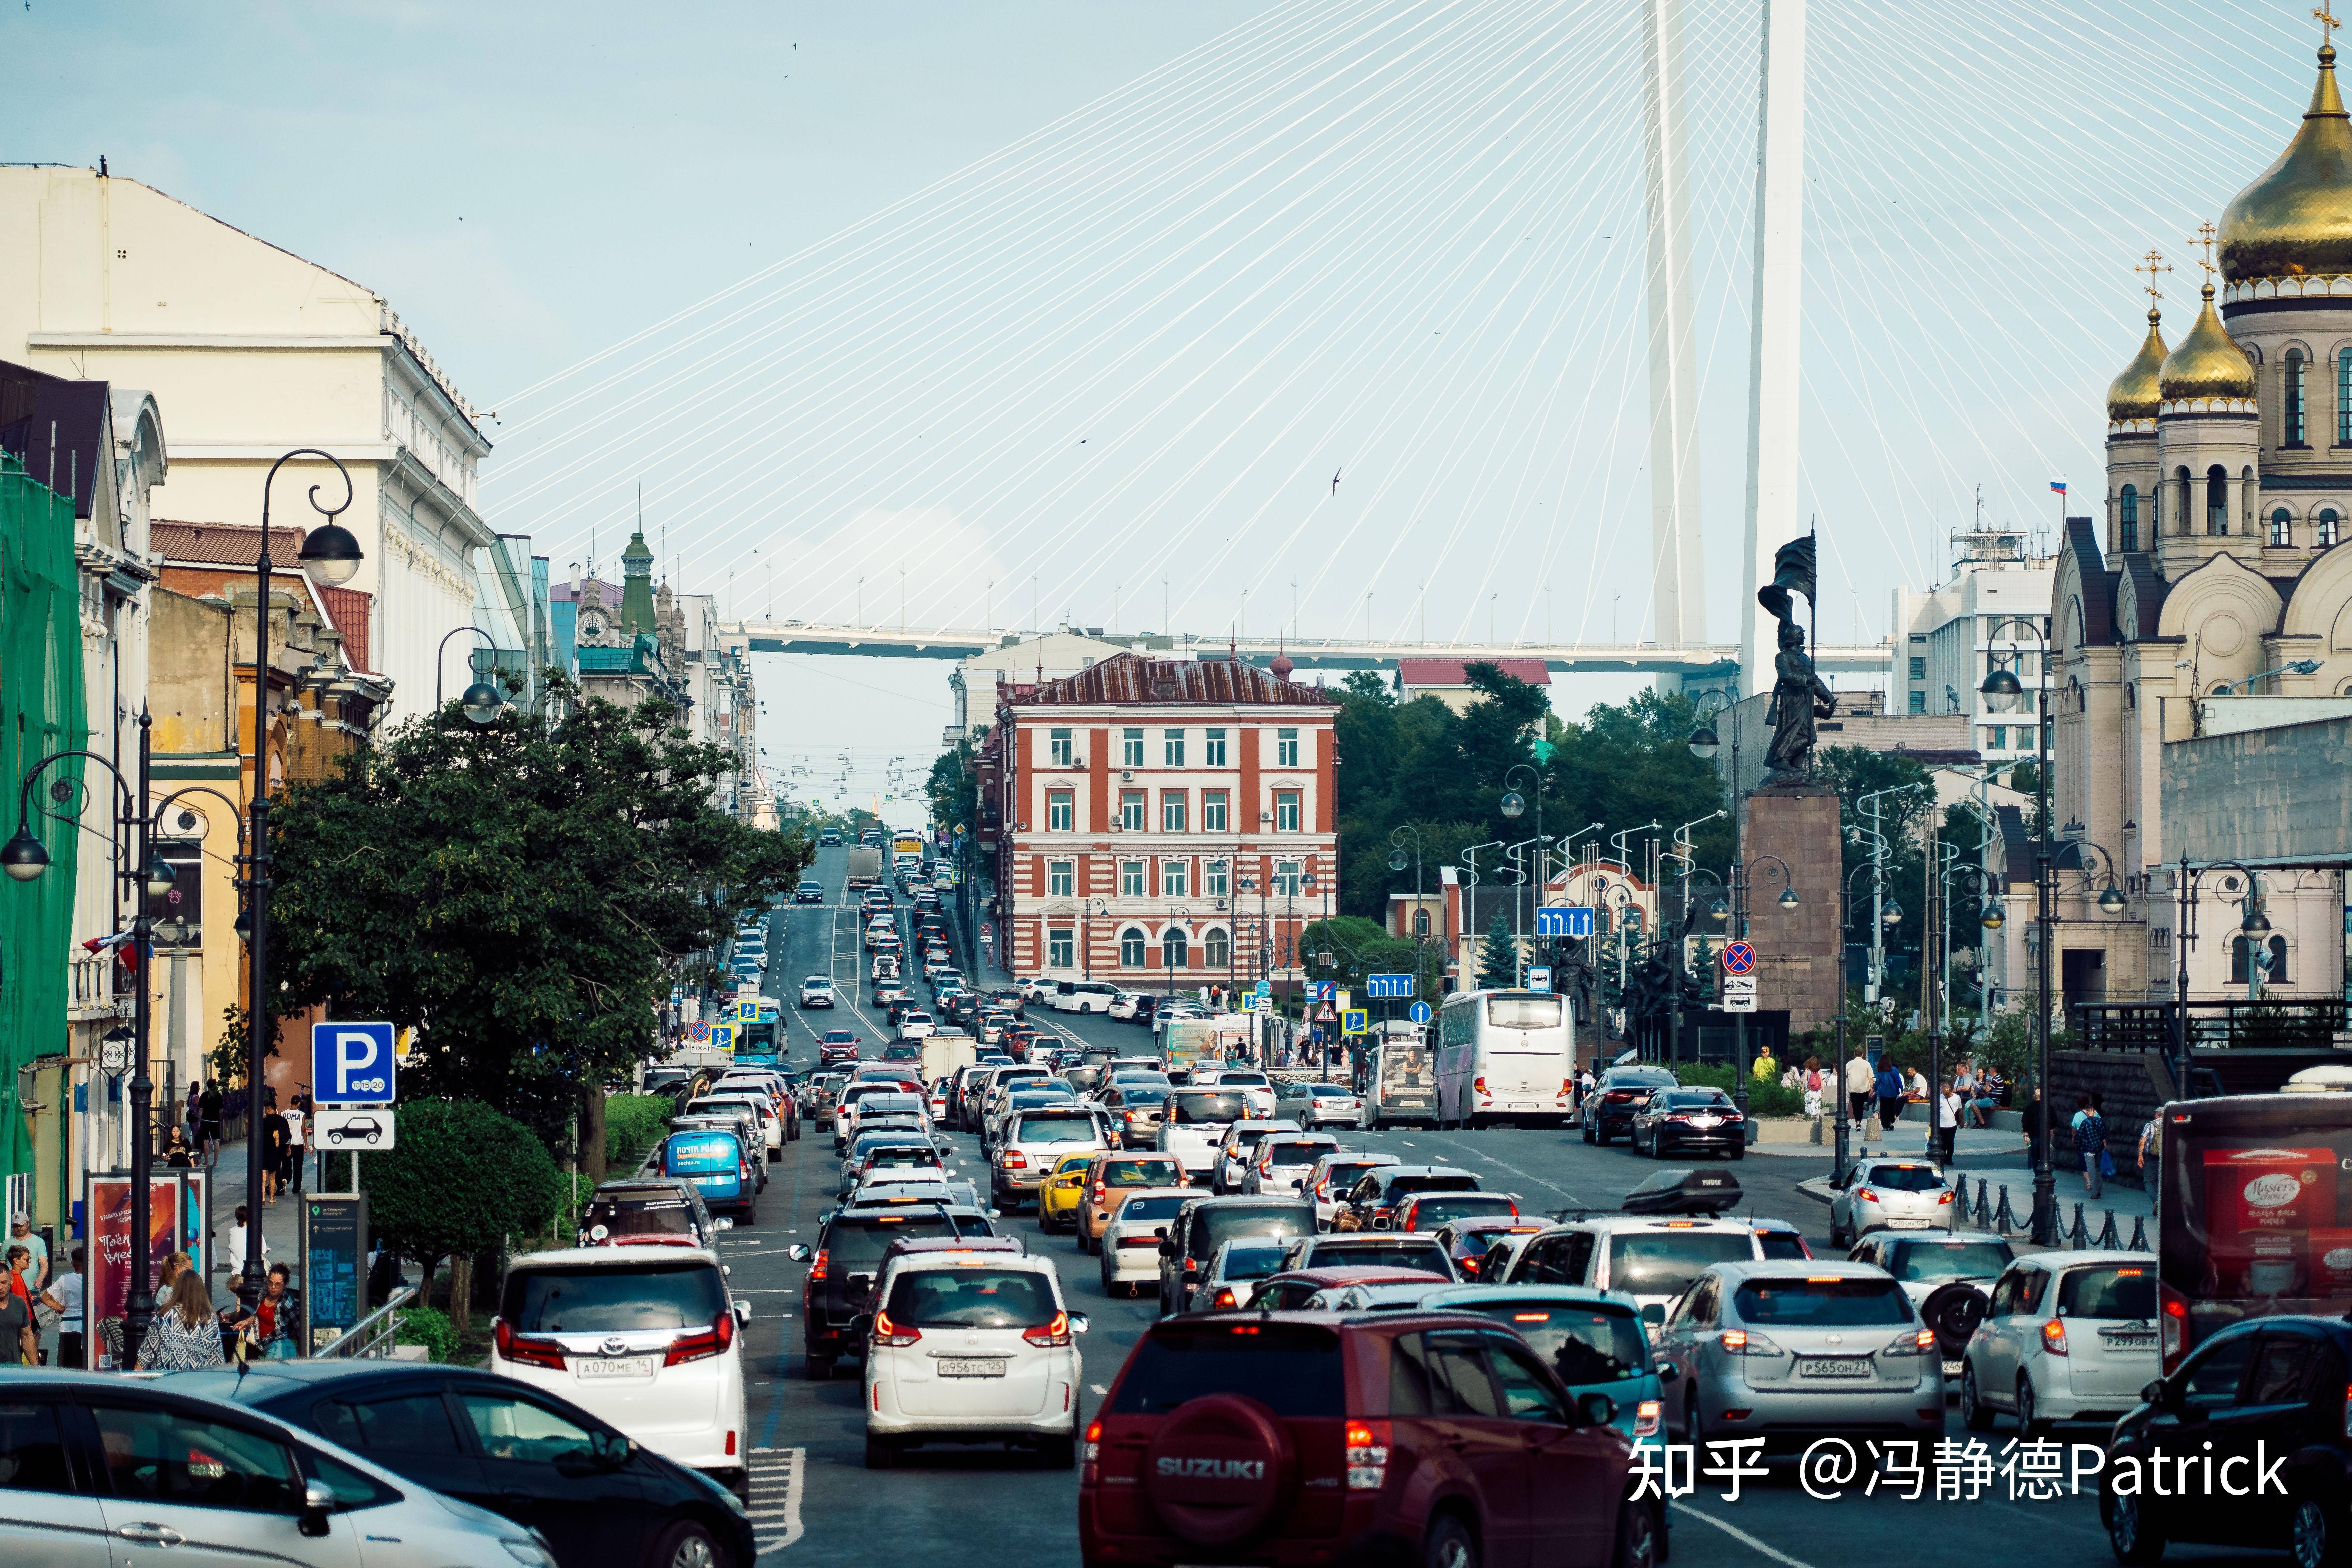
[(2188, 502), (2344, 397), (2128, 516), (2217, 499), (2281, 528), (2325, 536), (2291, 376)]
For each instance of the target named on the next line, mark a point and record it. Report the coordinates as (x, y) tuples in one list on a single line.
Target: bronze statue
[(1798, 696)]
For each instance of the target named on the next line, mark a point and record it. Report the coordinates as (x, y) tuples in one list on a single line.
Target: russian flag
[(2058, 485)]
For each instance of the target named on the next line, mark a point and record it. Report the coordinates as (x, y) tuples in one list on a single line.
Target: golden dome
[(2134, 395), (2297, 220), (2208, 364)]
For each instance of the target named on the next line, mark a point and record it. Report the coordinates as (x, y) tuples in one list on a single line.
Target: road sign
[(986, 929), (698, 1034), (351, 1064), (1739, 994), (1419, 1013), (345, 1129), (1378, 985), (1564, 920), (1538, 977), (746, 1011), (1263, 989), (1262, 1003), (1738, 957), (113, 1056), (1323, 990), (722, 1036), (1355, 1021)]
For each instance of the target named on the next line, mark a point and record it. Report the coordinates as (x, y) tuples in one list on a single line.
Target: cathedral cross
[(2206, 235), (2327, 24), (2152, 264)]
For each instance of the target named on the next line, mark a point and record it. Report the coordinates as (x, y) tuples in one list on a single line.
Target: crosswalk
[(775, 1496)]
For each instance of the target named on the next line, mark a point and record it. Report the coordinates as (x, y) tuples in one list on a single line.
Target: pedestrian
[(1889, 1086), (1987, 1096), (270, 1326), (2151, 1156), (1765, 1068), (1859, 1090), (1814, 1088), (1917, 1087), (208, 1140), (297, 1125), (64, 1296), (1964, 1084), (2090, 1142), (176, 1152), (236, 1242), (194, 1114), (21, 1234), (185, 1336), (276, 1140), (18, 1344), (1947, 1121)]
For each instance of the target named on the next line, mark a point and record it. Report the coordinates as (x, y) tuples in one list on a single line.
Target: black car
[(1146, 1007), (596, 1496), (1609, 1109), (1673, 1121), (809, 893), (2265, 1396), (846, 1261)]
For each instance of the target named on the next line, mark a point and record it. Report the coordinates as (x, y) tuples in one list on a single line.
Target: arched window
[(2344, 397), (2187, 501), (1130, 948), (1216, 948), (1172, 948), (2127, 513), (2278, 976), (2323, 535), (2281, 528), (2217, 499), (1420, 923), (2292, 429), (2237, 960)]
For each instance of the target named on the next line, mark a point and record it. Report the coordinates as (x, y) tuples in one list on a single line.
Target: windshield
[(1224, 1222), (1142, 1173), (1189, 1106), (612, 1300), (1904, 1178), (1640, 1078), (1293, 1369), (1431, 1213), (1328, 1091), (1248, 1080), (2114, 1291), (1919, 1260), (1584, 1344), (1782, 1244), (1140, 1094), (898, 1157), (1663, 1263), (1295, 1152), (1055, 1130), (1250, 1262), (1383, 1254), (1823, 1304), (1166, 1207), (1459, 1182), (888, 1105), (1343, 1173), (1523, 1012), (972, 1299), (639, 1217)]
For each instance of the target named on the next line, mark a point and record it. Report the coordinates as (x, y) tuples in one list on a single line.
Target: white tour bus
[(1504, 1055)]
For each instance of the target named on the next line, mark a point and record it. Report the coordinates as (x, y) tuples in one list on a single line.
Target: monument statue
[(1799, 695)]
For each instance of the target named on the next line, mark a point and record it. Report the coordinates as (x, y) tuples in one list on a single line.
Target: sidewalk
[(1972, 1146), (280, 1222)]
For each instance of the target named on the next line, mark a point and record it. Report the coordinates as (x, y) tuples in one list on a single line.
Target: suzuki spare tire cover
[(1219, 1469), (1953, 1311)]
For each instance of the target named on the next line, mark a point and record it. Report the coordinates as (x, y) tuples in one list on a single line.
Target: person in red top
[(276, 1319)]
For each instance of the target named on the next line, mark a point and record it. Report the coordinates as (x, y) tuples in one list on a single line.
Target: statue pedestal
[(1800, 956)]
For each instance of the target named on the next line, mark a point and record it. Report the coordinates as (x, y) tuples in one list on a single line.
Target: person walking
[(64, 1296), (209, 1136), (1948, 1122), (269, 1326), (1813, 1081), (193, 1113), (237, 1243), (19, 1346), (1859, 1090), (185, 1336), (21, 1234), (2151, 1156), (1889, 1088), (176, 1152), (2090, 1142), (298, 1122), (276, 1140)]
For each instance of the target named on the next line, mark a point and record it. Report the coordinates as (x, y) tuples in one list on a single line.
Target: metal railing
[(372, 1335), (2285, 1024)]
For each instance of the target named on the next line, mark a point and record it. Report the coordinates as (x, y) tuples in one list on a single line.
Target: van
[(1084, 996), (713, 1161)]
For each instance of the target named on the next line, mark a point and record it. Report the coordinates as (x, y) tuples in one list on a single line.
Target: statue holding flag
[(1799, 695)]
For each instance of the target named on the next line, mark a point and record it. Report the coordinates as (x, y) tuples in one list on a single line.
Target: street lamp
[(480, 700), (2005, 693)]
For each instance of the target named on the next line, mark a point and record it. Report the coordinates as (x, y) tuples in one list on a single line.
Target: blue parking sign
[(351, 1064)]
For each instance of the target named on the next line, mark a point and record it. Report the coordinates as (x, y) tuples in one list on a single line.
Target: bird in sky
[(1335, 481)]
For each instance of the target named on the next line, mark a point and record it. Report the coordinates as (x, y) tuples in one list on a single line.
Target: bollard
[(2005, 1220), (2107, 1237), (2139, 1235), (2079, 1235), (1984, 1203)]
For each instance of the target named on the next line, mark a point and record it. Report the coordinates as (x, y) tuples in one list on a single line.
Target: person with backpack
[(1812, 1081), (2090, 1141)]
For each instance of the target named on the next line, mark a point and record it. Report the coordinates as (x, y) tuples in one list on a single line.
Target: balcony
[(89, 987)]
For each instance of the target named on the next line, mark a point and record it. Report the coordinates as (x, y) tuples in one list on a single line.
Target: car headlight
[(528, 1552)]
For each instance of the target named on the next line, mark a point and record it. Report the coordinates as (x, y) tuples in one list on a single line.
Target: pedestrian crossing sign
[(1355, 1021)]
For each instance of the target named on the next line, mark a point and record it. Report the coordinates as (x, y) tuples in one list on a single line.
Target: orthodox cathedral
[(2216, 568)]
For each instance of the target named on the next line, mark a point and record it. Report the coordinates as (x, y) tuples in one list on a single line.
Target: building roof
[(347, 609), (2098, 583), (225, 544), (1131, 678), (58, 427), (1450, 672), (2149, 589)]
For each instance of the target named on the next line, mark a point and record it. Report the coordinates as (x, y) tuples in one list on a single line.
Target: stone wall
[(1797, 950), (2260, 793), (2131, 1086)]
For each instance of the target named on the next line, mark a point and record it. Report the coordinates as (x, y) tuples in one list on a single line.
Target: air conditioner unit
[(1126, 775), (1266, 816)]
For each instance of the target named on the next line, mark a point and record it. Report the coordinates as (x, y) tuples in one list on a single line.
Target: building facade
[(1162, 823), (1955, 634)]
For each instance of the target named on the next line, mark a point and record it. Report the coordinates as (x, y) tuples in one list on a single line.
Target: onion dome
[(2134, 394), (2297, 220), (1282, 666), (2207, 364)]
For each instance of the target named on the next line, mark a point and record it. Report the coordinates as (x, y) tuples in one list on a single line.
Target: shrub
[(1763, 1099), (633, 1124), (429, 1327)]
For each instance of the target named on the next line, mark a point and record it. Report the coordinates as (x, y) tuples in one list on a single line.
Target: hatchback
[(1790, 1351), (1064, 1188), (1297, 1438), (1334, 1176), (1236, 1269), (1890, 1195), (2067, 1336), (1429, 1212), (1135, 1108), (1470, 1241), (1283, 1161), (651, 1344)]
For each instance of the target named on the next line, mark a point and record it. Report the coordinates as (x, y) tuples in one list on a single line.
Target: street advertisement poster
[(334, 1266), (106, 1201)]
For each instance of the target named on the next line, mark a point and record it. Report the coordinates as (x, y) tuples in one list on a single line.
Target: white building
[(975, 680), (1953, 633)]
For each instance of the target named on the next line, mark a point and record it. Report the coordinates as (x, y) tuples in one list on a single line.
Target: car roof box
[(1683, 1191)]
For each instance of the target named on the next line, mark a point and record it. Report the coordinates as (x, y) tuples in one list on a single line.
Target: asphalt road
[(814, 1498)]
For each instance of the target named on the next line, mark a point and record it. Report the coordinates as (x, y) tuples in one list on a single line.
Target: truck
[(943, 1054), (865, 867)]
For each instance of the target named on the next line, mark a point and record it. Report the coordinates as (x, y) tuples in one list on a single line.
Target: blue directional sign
[(1378, 985), (351, 1064), (1419, 1013), (1564, 920)]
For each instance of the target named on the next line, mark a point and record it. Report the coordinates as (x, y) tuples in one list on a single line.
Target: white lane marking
[(1475, 1154), (780, 1527), (1733, 1531), (1099, 1390)]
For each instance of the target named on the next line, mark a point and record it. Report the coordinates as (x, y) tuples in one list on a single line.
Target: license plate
[(615, 1366), (1525, 1105), (1833, 1366), (960, 1367), (713, 1181), (1951, 1369), (1707, 1122), (2128, 1342), (1906, 1225)]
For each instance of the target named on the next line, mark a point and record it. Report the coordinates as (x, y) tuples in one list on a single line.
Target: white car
[(1083, 995), (972, 1347), (1238, 1147), (772, 1126), (2068, 1336), (652, 1344), (817, 991), (1193, 1124), (1283, 1161), (917, 1025), (1886, 1193), (891, 1100), (1036, 987), (1123, 1005), (1131, 1237), (1246, 1080)]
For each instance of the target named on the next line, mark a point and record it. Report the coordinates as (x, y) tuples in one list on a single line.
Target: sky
[(1294, 315)]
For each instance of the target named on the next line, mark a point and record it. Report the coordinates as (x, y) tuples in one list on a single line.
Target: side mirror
[(1599, 1409), (996, 1213), (742, 1310), (613, 1450), (1667, 1372), (318, 1501), (1167, 1247), (1654, 1314), (797, 1253), (1080, 1322), (2154, 1393), (1160, 1231), (725, 1272), (1383, 1222)]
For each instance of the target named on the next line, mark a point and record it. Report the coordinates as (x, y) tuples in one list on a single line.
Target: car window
[(522, 1429), (164, 1456), (1923, 1260), (2278, 1369), (351, 1489), (1250, 1262), (859, 1242), (1526, 1396), (2211, 1381), (32, 1448), (972, 1299), (1584, 1344), (612, 1299), (1140, 1173), (1224, 1223), (2121, 1291), (1381, 1254), (1428, 1214), (1189, 1106), (399, 1423), (1457, 1368), (1057, 1130), (1781, 1245), (1151, 1209), (1904, 1178), (1665, 1262), (1294, 1369), (1822, 1304), (1559, 1260)]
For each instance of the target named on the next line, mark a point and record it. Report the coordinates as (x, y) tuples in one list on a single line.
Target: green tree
[(953, 790), (518, 894), (459, 1182), (1499, 962)]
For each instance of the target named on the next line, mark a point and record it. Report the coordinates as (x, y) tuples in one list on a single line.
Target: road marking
[(780, 1526), (1100, 1391), (1733, 1531)]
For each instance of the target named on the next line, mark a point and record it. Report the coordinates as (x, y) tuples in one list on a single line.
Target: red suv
[(1324, 1438)]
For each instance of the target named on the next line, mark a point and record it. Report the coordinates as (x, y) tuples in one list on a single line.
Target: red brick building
[(1158, 822)]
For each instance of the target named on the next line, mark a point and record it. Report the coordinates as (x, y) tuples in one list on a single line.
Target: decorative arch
[(1216, 948), (2322, 595), (1175, 948), (1131, 946), (2227, 609)]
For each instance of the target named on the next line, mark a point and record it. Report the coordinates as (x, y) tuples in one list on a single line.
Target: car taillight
[(1865, 1194), (1367, 1456), (1045, 1335), (887, 1332), (1093, 1454), (1646, 1418), (816, 1267), (516, 1347), (1225, 1298), (1943, 1198), (703, 1346), (1468, 1265), (1015, 1160), (1100, 1188), (2053, 1337), (1478, 1086), (1739, 1342), (1920, 1342)]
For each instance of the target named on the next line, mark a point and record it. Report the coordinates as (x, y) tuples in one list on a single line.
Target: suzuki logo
[(1216, 1469)]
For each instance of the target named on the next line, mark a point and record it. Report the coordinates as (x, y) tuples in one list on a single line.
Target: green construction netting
[(41, 711)]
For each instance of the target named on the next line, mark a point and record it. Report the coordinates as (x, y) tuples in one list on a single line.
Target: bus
[(757, 1037), (1506, 1056), (1399, 1082), (2254, 1209)]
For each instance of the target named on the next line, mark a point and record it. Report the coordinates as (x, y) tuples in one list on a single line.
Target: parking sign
[(351, 1064)]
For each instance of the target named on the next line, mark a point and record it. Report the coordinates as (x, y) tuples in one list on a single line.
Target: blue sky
[(1414, 262)]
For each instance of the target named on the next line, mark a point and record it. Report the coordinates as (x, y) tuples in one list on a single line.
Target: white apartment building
[(1947, 642)]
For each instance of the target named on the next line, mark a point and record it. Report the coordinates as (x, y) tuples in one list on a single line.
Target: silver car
[(1886, 1194), (1032, 1141), (1285, 1160), (1132, 1235), (1334, 1176), (1801, 1347), (1235, 1267), (1237, 1148)]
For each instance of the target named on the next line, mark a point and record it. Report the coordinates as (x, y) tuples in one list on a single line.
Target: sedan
[(1468, 1241), (809, 893), (1890, 1195), (817, 991), (1609, 1109), (1681, 1120), (1313, 1105)]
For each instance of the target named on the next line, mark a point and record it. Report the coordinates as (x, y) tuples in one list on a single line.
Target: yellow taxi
[(1063, 1187)]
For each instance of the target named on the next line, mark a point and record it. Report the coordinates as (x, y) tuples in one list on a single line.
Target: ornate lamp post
[(2005, 693), (481, 699)]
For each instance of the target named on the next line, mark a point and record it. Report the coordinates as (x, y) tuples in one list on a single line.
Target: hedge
[(633, 1124)]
